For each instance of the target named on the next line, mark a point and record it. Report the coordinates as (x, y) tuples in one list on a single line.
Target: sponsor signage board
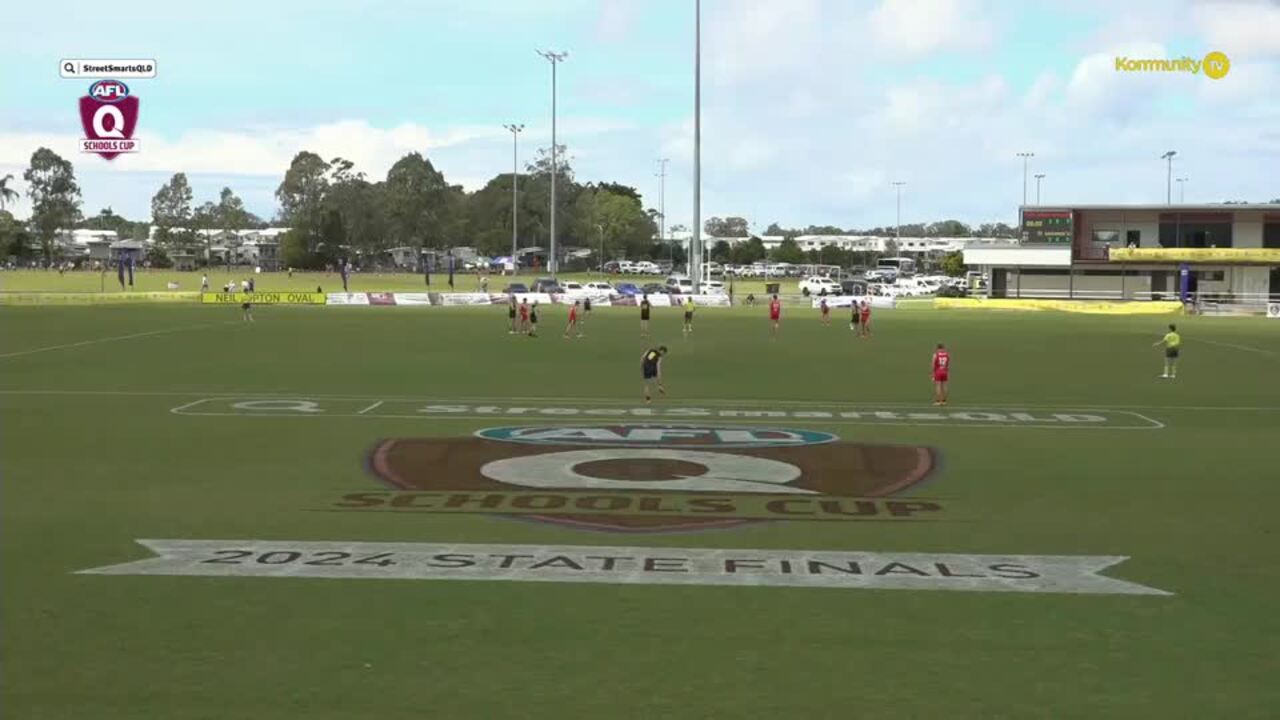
[(263, 298)]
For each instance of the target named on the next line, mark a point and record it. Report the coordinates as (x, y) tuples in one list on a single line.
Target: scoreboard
[(1047, 227)]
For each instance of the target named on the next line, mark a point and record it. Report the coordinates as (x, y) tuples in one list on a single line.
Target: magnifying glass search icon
[(69, 68)]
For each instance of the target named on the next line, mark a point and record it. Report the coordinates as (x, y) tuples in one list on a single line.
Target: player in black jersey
[(651, 368)]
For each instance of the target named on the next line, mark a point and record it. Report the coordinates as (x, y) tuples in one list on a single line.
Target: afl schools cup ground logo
[(648, 477), (109, 115)]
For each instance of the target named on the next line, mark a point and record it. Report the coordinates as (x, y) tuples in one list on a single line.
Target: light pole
[(1039, 177), (1168, 181), (554, 58), (1025, 156), (897, 185), (601, 229), (515, 175), (662, 209), (1182, 190), (695, 242)]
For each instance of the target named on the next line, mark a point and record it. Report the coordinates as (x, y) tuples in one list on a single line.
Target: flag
[(344, 275), (426, 269), (450, 272), (130, 269), (120, 271)]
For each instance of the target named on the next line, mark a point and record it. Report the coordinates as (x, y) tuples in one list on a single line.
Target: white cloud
[(615, 19), (921, 27), (1240, 29)]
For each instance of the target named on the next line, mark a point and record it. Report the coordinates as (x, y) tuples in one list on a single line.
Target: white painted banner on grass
[(1065, 418), (1076, 574), (1273, 310)]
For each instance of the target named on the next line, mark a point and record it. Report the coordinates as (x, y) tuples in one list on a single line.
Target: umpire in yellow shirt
[(1172, 342)]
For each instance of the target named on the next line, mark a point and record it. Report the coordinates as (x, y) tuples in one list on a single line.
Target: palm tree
[(7, 194)]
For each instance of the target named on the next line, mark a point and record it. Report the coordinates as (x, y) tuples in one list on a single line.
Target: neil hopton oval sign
[(657, 435)]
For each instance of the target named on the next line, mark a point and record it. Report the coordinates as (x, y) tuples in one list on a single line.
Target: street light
[(1168, 182), (515, 175), (695, 242), (1039, 177), (1182, 189), (662, 208), (897, 184), (554, 58), (1025, 156)]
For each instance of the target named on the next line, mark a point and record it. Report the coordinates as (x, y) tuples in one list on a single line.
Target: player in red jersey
[(524, 316), (573, 321), (865, 312), (775, 315), (941, 372)]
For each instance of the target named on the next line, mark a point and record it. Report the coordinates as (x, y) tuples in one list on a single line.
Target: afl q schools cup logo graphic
[(109, 115)]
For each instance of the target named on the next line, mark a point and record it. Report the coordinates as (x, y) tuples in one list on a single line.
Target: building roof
[(1164, 207)]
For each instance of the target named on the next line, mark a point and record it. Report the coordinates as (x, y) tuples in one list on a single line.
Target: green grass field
[(154, 280), (120, 424)]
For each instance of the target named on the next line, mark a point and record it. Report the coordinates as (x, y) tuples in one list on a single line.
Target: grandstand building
[(1225, 253)]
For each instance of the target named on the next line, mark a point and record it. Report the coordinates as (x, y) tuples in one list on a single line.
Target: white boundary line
[(628, 414), (290, 395), (115, 338), (1246, 348)]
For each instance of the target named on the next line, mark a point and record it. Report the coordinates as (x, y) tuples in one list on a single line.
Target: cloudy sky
[(811, 108)]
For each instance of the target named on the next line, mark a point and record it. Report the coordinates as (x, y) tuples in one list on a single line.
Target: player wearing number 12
[(941, 374)]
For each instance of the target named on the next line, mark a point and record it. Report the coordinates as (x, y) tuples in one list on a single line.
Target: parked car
[(952, 291), (856, 288), (819, 285), (574, 289), (680, 284), (601, 288), (548, 286), (713, 287), (657, 289), (610, 267), (516, 289), (647, 268), (627, 289)]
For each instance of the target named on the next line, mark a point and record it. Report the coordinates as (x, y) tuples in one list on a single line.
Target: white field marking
[(597, 400), (1075, 574), (628, 415), (1246, 348), (115, 338), (370, 407)]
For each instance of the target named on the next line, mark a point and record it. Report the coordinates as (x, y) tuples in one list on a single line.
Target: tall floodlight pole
[(662, 209), (897, 185), (515, 176), (554, 58), (1039, 177), (695, 242), (1182, 189), (1168, 181), (1025, 156)]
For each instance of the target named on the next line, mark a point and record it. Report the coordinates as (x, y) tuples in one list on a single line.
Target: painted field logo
[(648, 477), (658, 436), (109, 115)]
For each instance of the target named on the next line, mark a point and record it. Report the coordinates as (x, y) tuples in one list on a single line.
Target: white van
[(680, 284)]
